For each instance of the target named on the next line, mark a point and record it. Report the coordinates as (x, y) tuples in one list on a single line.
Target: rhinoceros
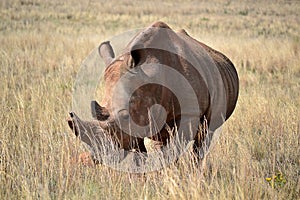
[(195, 86)]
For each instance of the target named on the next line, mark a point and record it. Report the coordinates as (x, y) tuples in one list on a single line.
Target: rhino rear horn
[(106, 52), (99, 112)]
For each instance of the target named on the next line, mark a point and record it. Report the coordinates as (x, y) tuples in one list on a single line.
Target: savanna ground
[(42, 44)]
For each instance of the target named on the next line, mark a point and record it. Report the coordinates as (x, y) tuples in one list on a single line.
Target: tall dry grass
[(42, 46)]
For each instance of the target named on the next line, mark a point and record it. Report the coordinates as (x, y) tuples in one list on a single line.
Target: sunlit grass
[(42, 46)]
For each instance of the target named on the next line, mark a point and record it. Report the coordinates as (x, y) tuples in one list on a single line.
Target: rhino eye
[(123, 114)]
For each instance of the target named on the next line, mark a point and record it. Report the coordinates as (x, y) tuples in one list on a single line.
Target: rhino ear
[(106, 52), (132, 58), (137, 56), (98, 112)]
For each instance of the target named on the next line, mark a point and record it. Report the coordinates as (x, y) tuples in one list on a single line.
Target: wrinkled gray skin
[(216, 88)]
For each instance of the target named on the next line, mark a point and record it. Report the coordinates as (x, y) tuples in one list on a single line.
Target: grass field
[(42, 44)]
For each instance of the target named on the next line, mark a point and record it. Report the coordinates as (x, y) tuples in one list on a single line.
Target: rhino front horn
[(72, 122)]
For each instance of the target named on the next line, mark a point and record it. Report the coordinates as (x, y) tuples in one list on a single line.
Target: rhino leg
[(202, 140), (83, 159)]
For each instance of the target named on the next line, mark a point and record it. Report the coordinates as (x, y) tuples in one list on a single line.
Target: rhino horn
[(98, 112), (87, 131), (74, 123)]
